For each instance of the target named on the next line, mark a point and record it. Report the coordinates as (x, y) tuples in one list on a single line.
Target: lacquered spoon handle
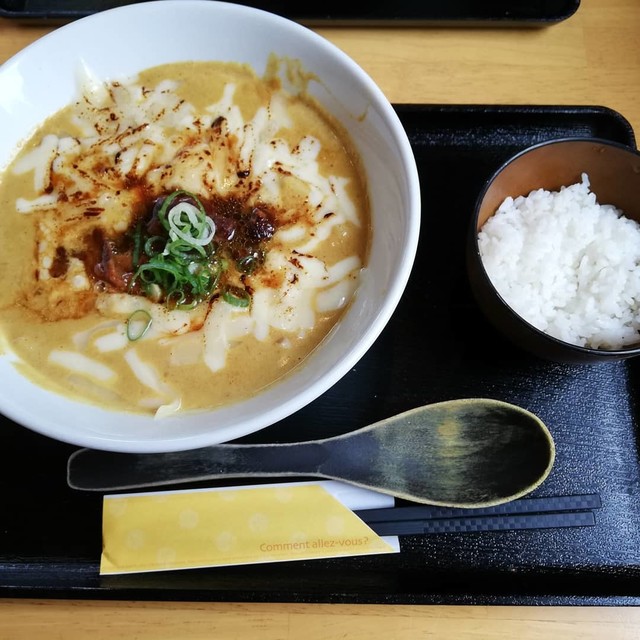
[(94, 470)]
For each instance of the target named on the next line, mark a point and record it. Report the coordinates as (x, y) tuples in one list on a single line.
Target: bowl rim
[(473, 239)]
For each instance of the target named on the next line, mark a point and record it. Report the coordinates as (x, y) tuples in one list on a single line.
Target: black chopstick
[(581, 502), (525, 513), (469, 524)]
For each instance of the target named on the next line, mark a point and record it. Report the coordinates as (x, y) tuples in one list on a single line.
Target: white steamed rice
[(567, 265)]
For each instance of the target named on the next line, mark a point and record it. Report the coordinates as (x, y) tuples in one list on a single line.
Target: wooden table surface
[(592, 58)]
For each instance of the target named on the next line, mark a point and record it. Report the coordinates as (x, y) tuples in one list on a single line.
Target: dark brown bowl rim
[(560, 344)]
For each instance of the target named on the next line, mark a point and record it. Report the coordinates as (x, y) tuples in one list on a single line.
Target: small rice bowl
[(567, 265)]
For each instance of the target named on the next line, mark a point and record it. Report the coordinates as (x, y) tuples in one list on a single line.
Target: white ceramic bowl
[(120, 42)]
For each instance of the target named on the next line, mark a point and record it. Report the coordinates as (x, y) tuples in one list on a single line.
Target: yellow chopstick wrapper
[(231, 526)]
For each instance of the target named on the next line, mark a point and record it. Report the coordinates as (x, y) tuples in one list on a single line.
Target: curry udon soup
[(180, 240)]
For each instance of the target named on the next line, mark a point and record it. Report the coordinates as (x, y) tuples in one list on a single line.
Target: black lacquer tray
[(399, 13), (436, 347)]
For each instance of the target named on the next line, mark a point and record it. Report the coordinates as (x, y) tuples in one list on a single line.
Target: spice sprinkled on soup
[(180, 240)]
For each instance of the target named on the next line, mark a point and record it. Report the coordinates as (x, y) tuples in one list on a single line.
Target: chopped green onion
[(137, 241), (236, 297), (149, 243), (138, 324), (248, 264), (164, 208), (188, 223), (183, 266)]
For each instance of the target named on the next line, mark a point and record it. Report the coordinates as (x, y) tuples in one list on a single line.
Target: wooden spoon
[(460, 453)]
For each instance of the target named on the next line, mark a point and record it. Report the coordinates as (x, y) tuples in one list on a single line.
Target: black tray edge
[(433, 16), (568, 109)]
